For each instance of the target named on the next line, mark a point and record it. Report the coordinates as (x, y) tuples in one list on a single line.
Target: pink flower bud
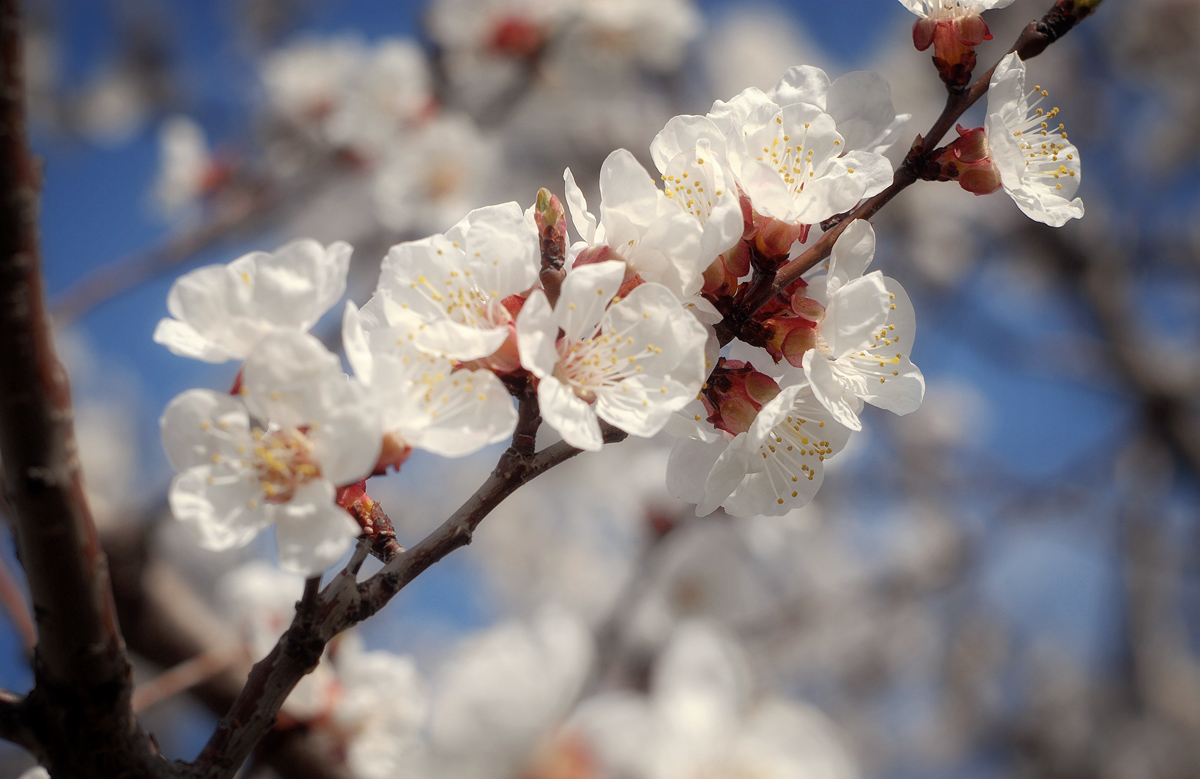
[(721, 278), (735, 393), (775, 237), (791, 337), (969, 161)]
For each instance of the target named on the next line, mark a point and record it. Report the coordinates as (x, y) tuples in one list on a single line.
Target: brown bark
[(78, 719)]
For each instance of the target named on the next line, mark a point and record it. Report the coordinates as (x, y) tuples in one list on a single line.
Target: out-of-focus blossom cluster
[(516, 701), (434, 132)]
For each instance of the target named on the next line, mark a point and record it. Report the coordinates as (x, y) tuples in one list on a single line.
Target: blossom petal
[(680, 136), (574, 419), (831, 393), (464, 412), (854, 313), (222, 508), (281, 377), (585, 223), (843, 183), (726, 474), (300, 281), (201, 427), (851, 255), (861, 104), (345, 430), (802, 84), (184, 340), (688, 467), (312, 531), (537, 333), (356, 344), (500, 249), (586, 293)]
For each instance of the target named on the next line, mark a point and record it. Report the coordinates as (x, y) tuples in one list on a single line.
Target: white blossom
[(434, 174), (657, 239), (184, 165), (1039, 168), (221, 311), (450, 289), (952, 9), (306, 81), (388, 92), (631, 364), (808, 148), (313, 429), (689, 153), (424, 401), (776, 466), (501, 694), (865, 336), (381, 710), (700, 719), (261, 601)]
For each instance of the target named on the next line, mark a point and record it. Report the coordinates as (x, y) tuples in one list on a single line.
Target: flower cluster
[(652, 319)]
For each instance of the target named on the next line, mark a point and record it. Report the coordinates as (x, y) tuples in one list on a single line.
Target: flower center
[(464, 301), (600, 362), (791, 161), (283, 462), (1045, 147), (948, 9)]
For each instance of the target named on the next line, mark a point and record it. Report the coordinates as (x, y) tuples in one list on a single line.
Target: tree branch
[(167, 623), (80, 706)]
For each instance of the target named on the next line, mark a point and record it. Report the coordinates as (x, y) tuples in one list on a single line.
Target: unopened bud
[(954, 41), (551, 222), (791, 337), (775, 237), (968, 161), (735, 393)]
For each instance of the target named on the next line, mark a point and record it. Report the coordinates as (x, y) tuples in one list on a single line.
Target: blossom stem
[(529, 419), (185, 676), (1033, 40)]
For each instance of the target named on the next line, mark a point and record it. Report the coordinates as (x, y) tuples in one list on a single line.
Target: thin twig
[(12, 597), (185, 676)]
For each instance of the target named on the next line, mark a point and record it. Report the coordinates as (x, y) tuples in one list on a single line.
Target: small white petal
[(312, 531), (574, 419), (223, 508), (200, 427), (537, 333), (830, 391), (586, 293)]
